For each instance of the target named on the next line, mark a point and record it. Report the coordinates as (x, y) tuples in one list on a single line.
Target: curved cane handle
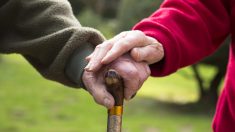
[(114, 85)]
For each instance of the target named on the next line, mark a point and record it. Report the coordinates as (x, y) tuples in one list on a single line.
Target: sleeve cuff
[(77, 63)]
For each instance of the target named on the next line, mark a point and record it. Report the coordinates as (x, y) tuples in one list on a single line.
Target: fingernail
[(88, 67), (87, 59), (107, 102), (103, 60), (128, 98), (133, 96), (106, 58), (91, 67)]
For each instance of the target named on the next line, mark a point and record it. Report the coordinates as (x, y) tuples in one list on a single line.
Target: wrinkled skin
[(140, 46), (129, 53), (128, 70)]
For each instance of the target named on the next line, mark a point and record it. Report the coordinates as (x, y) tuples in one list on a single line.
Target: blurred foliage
[(77, 6), (132, 11), (105, 8), (90, 19)]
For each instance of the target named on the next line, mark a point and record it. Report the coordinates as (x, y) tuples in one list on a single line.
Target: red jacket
[(189, 31)]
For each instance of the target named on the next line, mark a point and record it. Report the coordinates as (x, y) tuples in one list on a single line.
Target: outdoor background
[(182, 102)]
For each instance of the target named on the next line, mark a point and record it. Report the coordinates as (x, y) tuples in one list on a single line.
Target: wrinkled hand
[(133, 73), (141, 47)]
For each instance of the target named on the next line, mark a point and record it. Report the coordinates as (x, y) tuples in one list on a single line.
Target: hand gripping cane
[(115, 87)]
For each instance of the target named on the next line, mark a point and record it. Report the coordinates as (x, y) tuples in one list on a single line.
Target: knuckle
[(140, 36), (97, 97), (123, 33), (133, 73), (159, 47), (136, 55), (131, 39), (125, 44), (100, 46), (139, 33), (147, 71), (106, 43)]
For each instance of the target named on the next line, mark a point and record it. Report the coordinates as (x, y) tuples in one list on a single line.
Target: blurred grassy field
[(30, 103)]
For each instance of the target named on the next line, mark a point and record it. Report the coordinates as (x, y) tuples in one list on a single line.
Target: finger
[(131, 40), (97, 89), (133, 95), (102, 97), (131, 84), (99, 53), (144, 74), (88, 58), (95, 61), (134, 74), (150, 54), (130, 76), (140, 78)]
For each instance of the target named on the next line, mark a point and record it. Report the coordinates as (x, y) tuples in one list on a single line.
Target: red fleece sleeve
[(188, 29)]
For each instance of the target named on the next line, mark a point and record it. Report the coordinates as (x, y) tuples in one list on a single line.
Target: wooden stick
[(115, 87)]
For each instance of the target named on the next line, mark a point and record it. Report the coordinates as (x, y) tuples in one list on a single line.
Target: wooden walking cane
[(115, 87)]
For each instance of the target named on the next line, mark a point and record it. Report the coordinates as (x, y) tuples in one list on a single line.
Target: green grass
[(29, 103)]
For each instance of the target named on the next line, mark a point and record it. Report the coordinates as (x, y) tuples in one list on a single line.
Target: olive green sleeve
[(77, 63), (48, 35)]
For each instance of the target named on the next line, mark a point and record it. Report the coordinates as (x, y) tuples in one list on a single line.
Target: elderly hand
[(141, 47), (133, 73)]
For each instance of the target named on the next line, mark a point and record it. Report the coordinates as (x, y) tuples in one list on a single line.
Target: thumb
[(151, 53), (94, 85)]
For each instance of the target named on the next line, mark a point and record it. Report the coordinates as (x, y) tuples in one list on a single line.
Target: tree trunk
[(199, 81), (214, 85), (210, 95)]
